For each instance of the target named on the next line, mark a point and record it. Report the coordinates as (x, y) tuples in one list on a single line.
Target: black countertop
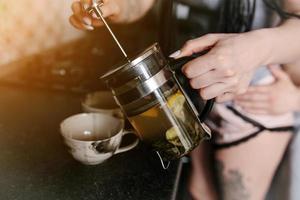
[(35, 164)]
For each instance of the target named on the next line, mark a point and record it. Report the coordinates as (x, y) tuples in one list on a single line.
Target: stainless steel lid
[(141, 68), (140, 77)]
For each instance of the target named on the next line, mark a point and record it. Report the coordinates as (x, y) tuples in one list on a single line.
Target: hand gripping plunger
[(96, 8)]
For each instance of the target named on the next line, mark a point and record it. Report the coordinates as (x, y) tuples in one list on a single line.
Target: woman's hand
[(117, 11), (81, 19), (226, 70), (280, 97)]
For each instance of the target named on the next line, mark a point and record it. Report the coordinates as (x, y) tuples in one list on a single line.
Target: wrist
[(280, 42), (265, 39)]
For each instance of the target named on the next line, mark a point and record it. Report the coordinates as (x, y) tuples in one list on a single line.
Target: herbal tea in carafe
[(169, 127), (150, 95)]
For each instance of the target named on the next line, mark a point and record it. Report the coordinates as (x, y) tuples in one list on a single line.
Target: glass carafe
[(160, 105)]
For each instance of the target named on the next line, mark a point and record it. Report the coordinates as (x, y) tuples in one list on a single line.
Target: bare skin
[(201, 182), (246, 171), (278, 98), (226, 70), (245, 174), (242, 172)]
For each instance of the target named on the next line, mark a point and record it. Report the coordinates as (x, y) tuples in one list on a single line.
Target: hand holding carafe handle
[(176, 65)]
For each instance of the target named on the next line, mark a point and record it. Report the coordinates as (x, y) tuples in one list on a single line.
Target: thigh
[(201, 181), (245, 171)]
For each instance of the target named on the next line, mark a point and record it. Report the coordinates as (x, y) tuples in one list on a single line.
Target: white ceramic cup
[(94, 137), (101, 102)]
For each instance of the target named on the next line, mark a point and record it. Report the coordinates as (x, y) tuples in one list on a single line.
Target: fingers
[(204, 80), (198, 66), (254, 107), (255, 102), (278, 73), (218, 73), (225, 97), (200, 44), (225, 89), (205, 76), (252, 97), (81, 23), (262, 89), (80, 19), (214, 90), (83, 20), (75, 22), (201, 82)]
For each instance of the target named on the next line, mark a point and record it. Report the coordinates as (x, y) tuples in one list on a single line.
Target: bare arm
[(226, 70), (293, 69), (283, 41), (284, 94)]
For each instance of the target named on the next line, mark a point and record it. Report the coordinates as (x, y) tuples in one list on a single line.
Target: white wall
[(29, 26)]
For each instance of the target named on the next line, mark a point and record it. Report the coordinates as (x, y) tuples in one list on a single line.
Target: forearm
[(132, 10), (282, 43)]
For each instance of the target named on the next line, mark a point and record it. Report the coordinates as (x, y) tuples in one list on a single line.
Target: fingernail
[(88, 27), (175, 54), (87, 21)]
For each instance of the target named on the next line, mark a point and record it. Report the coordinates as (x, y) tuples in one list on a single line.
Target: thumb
[(278, 72), (200, 44)]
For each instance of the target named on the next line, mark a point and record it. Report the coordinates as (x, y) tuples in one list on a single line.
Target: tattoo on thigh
[(230, 184)]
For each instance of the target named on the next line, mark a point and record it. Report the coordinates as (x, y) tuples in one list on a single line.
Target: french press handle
[(176, 65)]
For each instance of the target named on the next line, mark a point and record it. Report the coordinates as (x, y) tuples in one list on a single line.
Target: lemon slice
[(176, 104), (153, 112), (172, 136)]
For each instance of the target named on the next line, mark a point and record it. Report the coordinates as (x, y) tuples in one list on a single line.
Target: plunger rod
[(96, 9)]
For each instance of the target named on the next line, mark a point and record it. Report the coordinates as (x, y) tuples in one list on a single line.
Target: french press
[(159, 103)]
